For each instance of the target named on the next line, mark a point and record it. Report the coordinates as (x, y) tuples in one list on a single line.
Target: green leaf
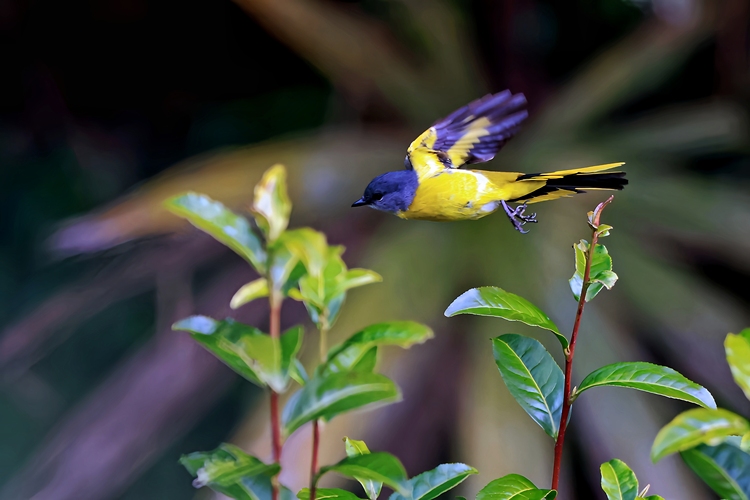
[(248, 351), (694, 427), (367, 362), (435, 482), (328, 396), (225, 340), (380, 466), (647, 377), (297, 372), (355, 278), (514, 487), (618, 481), (249, 292), (345, 356), (745, 442), (283, 264), (231, 471), (600, 275), (355, 448), (327, 494), (725, 468), (224, 225), (532, 377), (738, 356), (494, 301), (271, 204), (310, 247)]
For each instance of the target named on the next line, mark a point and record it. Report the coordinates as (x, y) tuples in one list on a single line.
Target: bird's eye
[(377, 196)]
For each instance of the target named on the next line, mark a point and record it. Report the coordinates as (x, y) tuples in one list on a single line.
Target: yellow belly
[(454, 195)]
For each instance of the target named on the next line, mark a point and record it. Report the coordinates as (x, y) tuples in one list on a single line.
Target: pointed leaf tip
[(271, 204), (724, 468), (647, 377), (694, 427), (336, 393), (737, 349), (379, 466), (514, 487), (496, 302), (533, 378), (618, 480), (433, 483), (222, 224)]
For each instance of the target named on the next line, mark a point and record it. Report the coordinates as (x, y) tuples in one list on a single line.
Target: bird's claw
[(518, 218)]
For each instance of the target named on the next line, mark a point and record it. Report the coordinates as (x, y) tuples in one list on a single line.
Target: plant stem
[(314, 461), (275, 327), (570, 351), (316, 425)]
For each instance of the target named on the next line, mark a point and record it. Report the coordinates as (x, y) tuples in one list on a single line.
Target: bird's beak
[(359, 202)]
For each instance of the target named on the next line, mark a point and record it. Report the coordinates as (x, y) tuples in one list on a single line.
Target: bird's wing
[(471, 134)]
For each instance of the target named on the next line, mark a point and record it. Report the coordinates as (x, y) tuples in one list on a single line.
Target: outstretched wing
[(472, 134)]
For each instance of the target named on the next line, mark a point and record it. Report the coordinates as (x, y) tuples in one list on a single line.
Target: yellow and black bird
[(433, 186)]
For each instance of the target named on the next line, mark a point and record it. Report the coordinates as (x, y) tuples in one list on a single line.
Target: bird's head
[(391, 192)]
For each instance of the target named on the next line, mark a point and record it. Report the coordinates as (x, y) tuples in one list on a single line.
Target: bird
[(434, 187)]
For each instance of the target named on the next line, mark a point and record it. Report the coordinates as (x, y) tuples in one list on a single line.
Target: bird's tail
[(570, 182)]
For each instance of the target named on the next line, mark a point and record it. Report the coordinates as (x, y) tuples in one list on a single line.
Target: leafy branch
[(301, 265), (543, 389)]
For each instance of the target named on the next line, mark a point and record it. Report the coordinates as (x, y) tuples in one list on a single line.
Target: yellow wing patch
[(471, 134)]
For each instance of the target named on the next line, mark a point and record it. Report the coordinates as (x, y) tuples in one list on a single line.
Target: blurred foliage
[(714, 442), (336, 90)]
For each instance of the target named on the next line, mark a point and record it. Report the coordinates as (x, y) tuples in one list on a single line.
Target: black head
[(390, 192)]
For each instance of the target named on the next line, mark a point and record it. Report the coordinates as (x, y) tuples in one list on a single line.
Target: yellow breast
[(454, 195)]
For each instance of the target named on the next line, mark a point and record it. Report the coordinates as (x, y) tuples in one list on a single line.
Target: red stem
[(314, 462), (570, 351), (316, 425), (275, 328)]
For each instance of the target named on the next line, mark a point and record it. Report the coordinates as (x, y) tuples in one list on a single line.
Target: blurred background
[(109, 107)]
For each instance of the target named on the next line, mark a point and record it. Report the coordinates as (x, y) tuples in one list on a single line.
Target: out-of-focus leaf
[(256, 289), (433, 483), (224, 340), (725, 468), (367, 362), (399, 333), (310, 247), (231, 471), (327, 494), (298, 373), (738, 356), (271, 204), (380, 467), (648, 377), (356, 277), (248, 351), (328, 396), (514, 487), (601, 274), (532, 377), (698, 426), (618, 481), (353, 449), (494, 301), (226, 226), (745, 443), (282, 264)]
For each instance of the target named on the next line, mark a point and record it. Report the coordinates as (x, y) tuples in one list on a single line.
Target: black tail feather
[(576, 182)]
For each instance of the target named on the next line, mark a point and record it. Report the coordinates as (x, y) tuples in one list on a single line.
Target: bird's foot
[(518, 218)]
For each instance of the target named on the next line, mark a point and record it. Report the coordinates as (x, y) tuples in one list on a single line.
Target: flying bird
[(433, 186)]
